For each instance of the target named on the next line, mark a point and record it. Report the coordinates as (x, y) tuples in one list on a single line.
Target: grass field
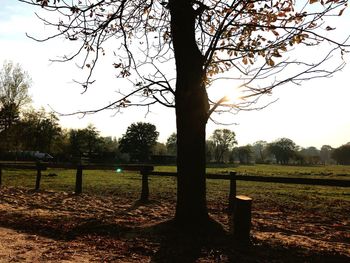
[(330, 171), (129, 183)]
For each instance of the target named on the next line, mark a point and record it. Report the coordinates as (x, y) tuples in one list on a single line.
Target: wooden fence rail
[(270, 179), (298, 180), (144, 170), (147, 170), (37, 166)]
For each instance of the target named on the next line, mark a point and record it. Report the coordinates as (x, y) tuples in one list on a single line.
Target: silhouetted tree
[(311, 155), (260, 151), (244, 154), (203, 39), (106, 151), (39, 131), (283, 149), (76, 143), (342, 154), (209, 150), (139, 140), (326, 154), (9, 117), (171, 144), (84, 142), (159, 149), (108, 144), (14, 84), (223, 140), (92, 140)]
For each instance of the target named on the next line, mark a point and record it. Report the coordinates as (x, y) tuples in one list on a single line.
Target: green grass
[(341, 172), (94, 181), (129, 183), (329, 171)]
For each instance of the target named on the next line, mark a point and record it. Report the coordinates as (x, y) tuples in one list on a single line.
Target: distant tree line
[(221, 148), (24, 131), (282, 151)]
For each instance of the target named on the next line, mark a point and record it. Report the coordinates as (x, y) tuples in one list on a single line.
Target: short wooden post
[(242, 219), (38, 176), (79, 180), (233, 191), (145, 188)]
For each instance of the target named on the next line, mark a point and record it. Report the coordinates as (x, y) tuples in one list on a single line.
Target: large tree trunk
[(191, 117)]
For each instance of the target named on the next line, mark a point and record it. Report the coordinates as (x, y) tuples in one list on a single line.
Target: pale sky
[(313, 114)]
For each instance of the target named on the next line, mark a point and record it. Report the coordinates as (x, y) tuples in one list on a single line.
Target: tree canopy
[(84, 141), (252, 40), (325, 154), (139, 140), (283, 149), (171, 144), (223, 141), (342, 154), (244, 154), (14, 85), (261, 152), (39, 130)]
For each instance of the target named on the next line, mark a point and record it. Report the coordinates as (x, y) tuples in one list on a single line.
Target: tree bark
[(0, 175), (191, 103)]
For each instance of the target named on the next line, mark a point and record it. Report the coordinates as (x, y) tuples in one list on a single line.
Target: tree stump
[(242, 219)]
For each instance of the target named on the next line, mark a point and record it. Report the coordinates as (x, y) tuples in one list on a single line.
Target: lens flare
[(233, 96)]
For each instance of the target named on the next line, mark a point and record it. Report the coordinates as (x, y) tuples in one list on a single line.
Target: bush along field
[(290, 222)]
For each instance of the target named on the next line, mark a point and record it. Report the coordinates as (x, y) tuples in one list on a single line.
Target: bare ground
[(61, 227)]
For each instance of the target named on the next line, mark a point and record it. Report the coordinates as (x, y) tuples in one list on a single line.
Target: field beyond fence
[(252, 180)]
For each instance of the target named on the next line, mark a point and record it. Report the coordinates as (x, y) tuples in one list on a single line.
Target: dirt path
[(23, 247)]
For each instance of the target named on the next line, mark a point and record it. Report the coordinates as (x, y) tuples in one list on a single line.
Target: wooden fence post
[(145, 188), (79, 180), (233, 191), (38, 176), (242, 219)]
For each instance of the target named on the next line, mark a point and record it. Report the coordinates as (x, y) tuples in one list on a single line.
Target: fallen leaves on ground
[(50, 226)]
